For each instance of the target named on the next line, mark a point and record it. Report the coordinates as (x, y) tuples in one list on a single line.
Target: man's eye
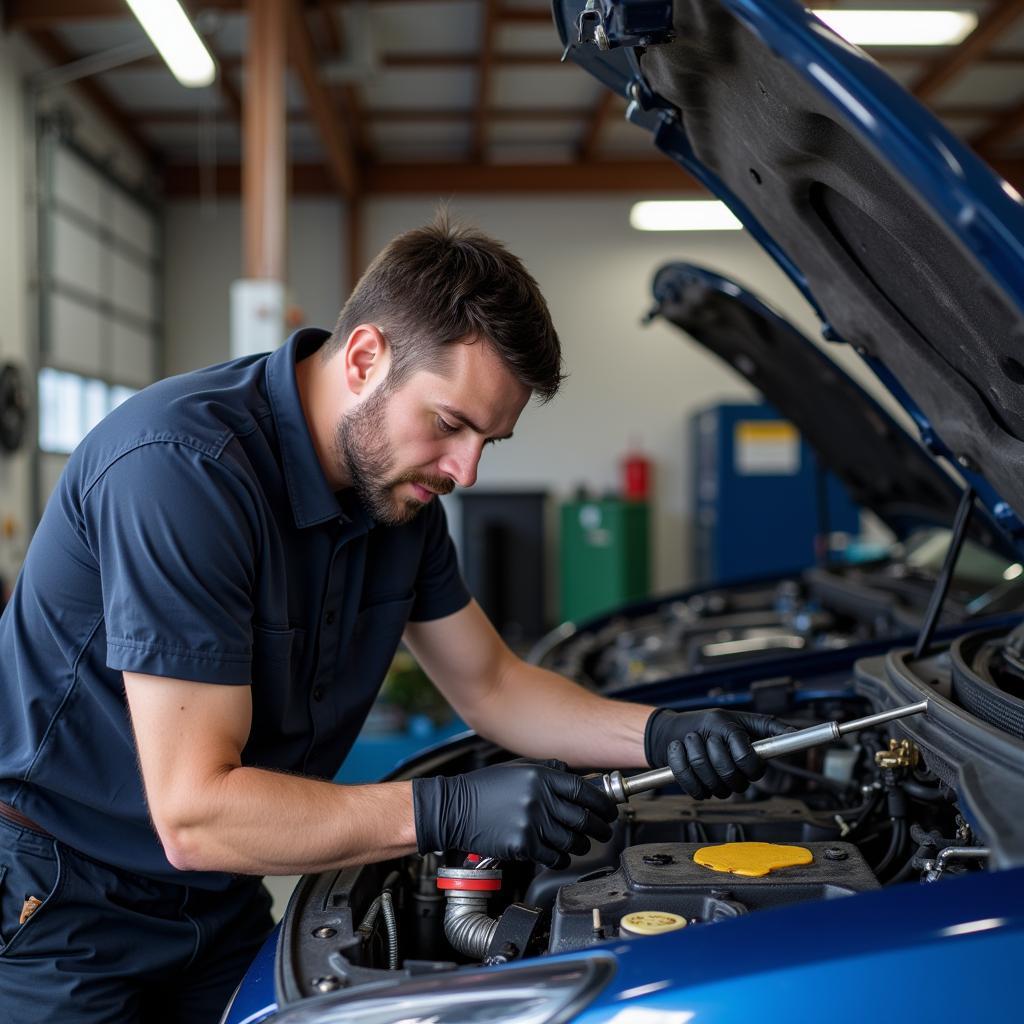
[(445, 427)]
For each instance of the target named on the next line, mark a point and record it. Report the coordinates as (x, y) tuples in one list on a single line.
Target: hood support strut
[(938, 596)]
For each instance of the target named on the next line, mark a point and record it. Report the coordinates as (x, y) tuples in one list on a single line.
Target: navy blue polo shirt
[(193, 534)]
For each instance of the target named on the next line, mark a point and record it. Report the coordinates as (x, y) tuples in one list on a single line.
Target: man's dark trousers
[(105, 945)]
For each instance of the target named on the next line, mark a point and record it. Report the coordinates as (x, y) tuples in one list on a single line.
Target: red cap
[(476, 883)]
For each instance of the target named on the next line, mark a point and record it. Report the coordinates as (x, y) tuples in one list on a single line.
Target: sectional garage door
[(99, 296)]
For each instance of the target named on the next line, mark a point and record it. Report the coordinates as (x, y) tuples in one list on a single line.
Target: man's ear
[(366, 358)]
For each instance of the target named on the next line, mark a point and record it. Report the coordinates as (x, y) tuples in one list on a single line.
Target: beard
[(362, 442)]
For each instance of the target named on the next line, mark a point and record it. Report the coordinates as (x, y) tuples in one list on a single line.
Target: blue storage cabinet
[(759, 496)]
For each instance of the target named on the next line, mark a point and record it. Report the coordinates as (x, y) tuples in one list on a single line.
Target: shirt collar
[(313, 502)]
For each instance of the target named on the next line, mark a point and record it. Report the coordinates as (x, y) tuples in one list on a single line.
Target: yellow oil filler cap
[(651, 922), (752, 860)]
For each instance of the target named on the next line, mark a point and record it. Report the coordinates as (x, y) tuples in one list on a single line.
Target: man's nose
[(461, 463)]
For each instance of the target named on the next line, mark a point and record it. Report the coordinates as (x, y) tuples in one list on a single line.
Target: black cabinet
[(503, 559)]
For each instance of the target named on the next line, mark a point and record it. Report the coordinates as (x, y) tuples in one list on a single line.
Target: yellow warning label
[(753, 860), (766, 447), (765, 430)]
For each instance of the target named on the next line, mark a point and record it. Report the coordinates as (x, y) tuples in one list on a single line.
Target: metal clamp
[(599, 33)]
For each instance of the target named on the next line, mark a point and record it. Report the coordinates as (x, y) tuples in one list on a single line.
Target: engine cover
[(664, 876)]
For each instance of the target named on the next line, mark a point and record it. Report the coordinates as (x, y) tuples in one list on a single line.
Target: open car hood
[(906, 244), (881, 466)]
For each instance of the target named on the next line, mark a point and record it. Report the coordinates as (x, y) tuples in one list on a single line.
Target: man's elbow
[(186, 843), (181, 848), (186, 828)]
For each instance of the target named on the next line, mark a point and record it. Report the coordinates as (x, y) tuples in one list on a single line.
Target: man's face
[(402, 447)]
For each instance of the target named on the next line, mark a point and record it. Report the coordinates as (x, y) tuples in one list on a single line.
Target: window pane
[(95, 403), (70, 406)]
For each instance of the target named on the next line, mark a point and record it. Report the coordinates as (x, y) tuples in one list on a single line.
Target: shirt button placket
[(330, 625)]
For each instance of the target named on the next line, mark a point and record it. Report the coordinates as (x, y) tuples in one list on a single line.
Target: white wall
[(203, 255), (627, 382)]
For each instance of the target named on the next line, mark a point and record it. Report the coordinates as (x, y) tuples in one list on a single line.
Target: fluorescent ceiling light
[(171, 32), (683, 215), (900, 28)]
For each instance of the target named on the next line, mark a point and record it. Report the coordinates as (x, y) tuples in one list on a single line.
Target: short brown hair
[(444, 283)]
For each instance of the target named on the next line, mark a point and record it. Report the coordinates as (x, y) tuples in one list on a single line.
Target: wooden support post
[(264, 142)]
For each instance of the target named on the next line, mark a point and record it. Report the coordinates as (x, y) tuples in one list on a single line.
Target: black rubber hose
[(929, 794), (896, 843), (863, 812), (907, 870)]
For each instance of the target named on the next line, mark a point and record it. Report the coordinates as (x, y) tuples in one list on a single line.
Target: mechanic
[(214, 595)]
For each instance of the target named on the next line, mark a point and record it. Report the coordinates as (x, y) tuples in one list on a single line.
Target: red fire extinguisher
[(636, 475)]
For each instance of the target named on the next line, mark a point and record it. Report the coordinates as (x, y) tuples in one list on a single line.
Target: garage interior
[(152, 229)]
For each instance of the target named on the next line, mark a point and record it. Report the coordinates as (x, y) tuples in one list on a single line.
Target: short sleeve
[(440, 589), (175, 539)]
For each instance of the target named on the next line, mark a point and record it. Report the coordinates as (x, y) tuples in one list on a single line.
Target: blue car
[(882, 874)]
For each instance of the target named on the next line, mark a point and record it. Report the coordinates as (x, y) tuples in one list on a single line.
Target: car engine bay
[(822, 608), (875, 809)]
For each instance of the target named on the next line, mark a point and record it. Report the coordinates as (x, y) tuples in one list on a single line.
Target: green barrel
[(605, 555)]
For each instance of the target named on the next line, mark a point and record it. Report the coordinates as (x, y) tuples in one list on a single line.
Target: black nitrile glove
[(519, 810), (709, 752)]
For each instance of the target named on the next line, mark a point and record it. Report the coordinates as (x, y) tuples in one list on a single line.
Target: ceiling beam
[(333, 133), (416, 61), (1008, 124), (972, 110), (330, 29), (396, 114), (993, 24), (190, 181), (613, 176), (423, 61), (909, 54), (618, 176), (546, 58), (32, 14), (485, 67), (333, 46), (51, 47), (43, 14), (227, 88), (587, 149), (527, 16), (493, 114)]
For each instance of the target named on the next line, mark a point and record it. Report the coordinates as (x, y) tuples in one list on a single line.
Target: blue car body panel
[(256, 999), (914, 952), (963, 193)]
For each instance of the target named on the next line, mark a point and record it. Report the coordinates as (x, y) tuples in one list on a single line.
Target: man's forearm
[(538, 713), (257, 822)]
